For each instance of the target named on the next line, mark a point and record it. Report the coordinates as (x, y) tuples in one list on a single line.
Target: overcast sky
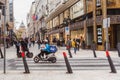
[(21, 8)]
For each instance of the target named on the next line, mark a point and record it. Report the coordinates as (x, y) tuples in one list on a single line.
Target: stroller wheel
[(29, 54), (36, 59)]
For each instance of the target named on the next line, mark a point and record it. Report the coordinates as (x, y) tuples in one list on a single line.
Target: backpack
[(73, 44), (53, 49)]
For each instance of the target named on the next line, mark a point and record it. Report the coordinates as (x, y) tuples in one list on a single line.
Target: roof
[(22, 25)]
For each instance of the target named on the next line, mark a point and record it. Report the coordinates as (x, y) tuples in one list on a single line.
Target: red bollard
[(25, 63), (69, 69), (113, 70)]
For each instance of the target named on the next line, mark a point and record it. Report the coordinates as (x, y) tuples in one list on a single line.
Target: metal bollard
[(1, 53), (69, 69), (113, 70), (93, 48), (25, 63), (118, 49)]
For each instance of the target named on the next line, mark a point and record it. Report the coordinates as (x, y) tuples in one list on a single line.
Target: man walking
[(69, 45)]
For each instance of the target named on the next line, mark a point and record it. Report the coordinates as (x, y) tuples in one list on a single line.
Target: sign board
[(67, 30), (99, 35), (98, 3), (106, 22)]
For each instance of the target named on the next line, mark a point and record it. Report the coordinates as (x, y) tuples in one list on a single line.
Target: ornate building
[(81, 19), (86, 21), (21, 32)]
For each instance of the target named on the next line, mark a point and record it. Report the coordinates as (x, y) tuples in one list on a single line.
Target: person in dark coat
[(58, 43), (78, 44), (24, 45), (17, 45), (39, 43)]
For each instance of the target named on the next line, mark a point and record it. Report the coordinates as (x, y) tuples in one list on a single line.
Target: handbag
[(67, 47)]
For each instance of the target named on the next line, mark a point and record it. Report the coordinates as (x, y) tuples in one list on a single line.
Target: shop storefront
[(58, 34), (77, 30), (89, 36)]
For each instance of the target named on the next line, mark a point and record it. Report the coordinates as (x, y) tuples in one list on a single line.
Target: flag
[(34, 17)]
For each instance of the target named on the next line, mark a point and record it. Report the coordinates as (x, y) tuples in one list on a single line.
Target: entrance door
[(89, 36), (116, 35)]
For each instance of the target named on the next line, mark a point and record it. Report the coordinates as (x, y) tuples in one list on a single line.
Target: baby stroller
[(50, 56), (28, 53)]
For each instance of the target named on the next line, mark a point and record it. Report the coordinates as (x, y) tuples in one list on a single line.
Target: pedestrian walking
[(17, 45), (33, 42), (54, 40), (74, 45), (58, 43), (24, 45), (39, 43), (83, 44), (78, 43), (48, 40), (68, 46), (29, 43)]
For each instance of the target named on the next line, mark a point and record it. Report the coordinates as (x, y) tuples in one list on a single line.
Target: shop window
[(110, 2), (98, 3), (98, 12), (113, 11)]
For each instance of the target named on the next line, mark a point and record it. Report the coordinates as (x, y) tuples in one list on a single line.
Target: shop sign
[(98, 3), (99, 35), (106, 22), (67, 30)]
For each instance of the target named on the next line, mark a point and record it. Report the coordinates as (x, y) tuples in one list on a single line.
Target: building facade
[(30, 21), (40, 13), (6, 14), (86, 21), (21, 32), (62, 9), (37, 23)]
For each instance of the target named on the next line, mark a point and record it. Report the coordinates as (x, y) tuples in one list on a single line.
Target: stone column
[(85, 22), (94, 21), (104, 12)]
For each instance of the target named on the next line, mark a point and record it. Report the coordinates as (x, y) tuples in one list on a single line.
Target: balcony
[(111, 2), (60, 9), (2, 1)]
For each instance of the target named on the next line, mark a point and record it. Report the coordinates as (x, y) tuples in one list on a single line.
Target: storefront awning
[(77, 25), (56, 31)]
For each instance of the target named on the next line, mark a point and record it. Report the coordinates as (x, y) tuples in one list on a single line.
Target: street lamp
[(66, 23), (4, 13)]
